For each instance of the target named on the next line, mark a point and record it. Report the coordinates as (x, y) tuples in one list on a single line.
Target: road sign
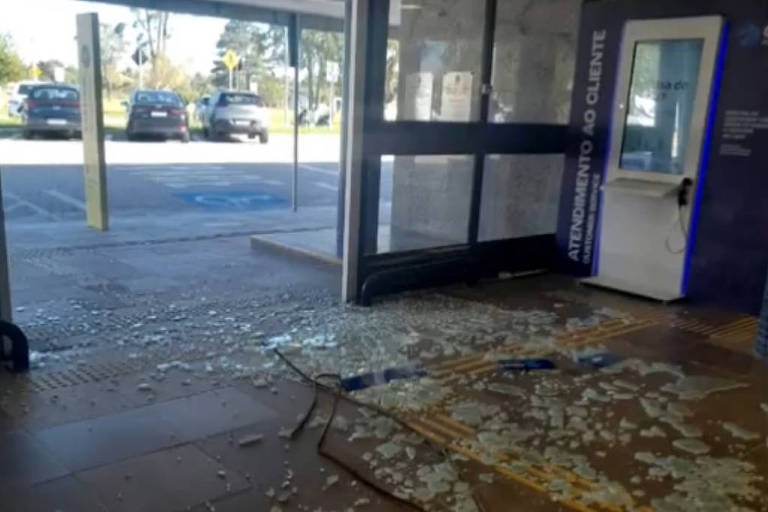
[(230, 59), (139, 57)]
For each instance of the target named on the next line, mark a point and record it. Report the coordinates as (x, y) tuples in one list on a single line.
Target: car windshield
[(157, 98), (55, 94), (24, 88), (237, 98)]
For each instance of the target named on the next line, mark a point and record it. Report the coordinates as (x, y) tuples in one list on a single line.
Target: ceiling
[(325, 14), (330, 8)]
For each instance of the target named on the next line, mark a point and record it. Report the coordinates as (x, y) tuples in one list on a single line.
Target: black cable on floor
[(338, 396)]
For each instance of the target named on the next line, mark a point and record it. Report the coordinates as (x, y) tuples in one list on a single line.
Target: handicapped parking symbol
[(233, 201)]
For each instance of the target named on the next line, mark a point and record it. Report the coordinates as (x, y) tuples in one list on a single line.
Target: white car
[(236, 112), (20, 92)]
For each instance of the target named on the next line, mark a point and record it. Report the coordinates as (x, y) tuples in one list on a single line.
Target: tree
[(259, 46), (165, 75), (646, 69), (153, 30), (200, 85), (71, 75), (48, 69), (272, 90), (393, 71), (12, 67), (318, 48), (113, 48)]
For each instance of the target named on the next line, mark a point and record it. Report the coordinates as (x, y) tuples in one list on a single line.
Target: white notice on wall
[(456, 104), (418, 92)]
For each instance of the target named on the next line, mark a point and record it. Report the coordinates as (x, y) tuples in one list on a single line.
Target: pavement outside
[(159, 193), (318, 243), (186, 406), (180, 214)]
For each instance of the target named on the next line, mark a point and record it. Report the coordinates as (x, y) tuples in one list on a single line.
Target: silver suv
[(236, 112)]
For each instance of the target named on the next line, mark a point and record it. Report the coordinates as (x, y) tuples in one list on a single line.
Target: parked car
[(19, 94), (201, 106), (51, 108), (157, 113), (236, 112)]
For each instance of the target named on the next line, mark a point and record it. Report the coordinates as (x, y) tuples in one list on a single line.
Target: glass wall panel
[(424, 201), (520, 197), (434, 60), (534, 61)]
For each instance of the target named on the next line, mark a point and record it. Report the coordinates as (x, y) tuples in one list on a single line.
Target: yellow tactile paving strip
[(448, 432), (445, 431), (586, 336), (455, 369), (741, 330)]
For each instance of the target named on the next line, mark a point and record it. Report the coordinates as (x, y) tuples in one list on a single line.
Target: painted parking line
[(320, 170), (205, 177), (326, 186), (64, 198), (138, 167), (190, 178), (13, 207), (32, 206), (160, 172)]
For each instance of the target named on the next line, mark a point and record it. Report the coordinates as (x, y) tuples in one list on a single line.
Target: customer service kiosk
[(658, 132)]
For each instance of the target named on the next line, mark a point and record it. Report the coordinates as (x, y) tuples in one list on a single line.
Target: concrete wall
[(533, 73)]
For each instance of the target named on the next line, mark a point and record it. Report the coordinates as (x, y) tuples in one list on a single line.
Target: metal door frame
[(367, 273)]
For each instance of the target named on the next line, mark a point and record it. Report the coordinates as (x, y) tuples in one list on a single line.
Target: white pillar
[(91, 107)]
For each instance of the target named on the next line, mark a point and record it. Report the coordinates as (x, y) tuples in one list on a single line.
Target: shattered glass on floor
[(628, 434)]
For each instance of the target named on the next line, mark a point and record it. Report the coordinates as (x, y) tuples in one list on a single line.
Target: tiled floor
[(166, 437)]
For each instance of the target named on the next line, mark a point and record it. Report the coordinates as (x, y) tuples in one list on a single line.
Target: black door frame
[(366, 273)]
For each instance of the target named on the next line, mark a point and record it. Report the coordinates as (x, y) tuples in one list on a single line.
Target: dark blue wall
[(728, 256)]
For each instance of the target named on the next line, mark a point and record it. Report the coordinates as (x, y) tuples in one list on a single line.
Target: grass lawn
[(277, 124)]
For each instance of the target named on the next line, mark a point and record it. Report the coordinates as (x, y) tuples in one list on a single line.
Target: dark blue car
[(157, 113), (52, 109)]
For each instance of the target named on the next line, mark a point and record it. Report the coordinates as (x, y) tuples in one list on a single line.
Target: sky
[(45, 29)]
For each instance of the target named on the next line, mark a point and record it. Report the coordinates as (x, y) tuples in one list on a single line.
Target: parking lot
[(43, 180)]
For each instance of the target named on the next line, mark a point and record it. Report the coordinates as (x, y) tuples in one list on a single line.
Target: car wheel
[(185, 138), (27, 134), (206, 133), (251, 135), (264, 137)]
